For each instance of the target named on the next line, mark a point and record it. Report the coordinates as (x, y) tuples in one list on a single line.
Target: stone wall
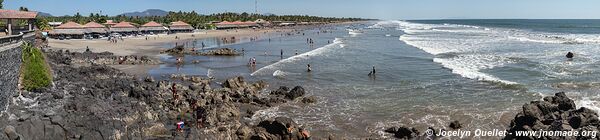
[(10, 63)]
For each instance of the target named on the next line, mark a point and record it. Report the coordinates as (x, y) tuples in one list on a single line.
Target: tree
[(42, 23), (23, 8), (1, 4)]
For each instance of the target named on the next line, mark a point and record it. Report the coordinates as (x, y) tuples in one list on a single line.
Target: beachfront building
[(95, 30), (263, 23), (109, 23), (153, 28), (236, 25), (10, 18), (124, 28), (69, 30), (180, 27)]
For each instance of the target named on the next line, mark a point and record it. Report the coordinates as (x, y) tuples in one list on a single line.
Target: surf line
[(306, 55)]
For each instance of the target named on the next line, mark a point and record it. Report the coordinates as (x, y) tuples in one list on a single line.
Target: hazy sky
[(380, 9)]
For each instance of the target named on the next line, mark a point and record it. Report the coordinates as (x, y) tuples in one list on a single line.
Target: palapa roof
[(15, 14), (80, 31), (180, 25), (123, 24), (123, 27), (93, 25), (153, 28), (109, 22), (152, 24), (70, 25)]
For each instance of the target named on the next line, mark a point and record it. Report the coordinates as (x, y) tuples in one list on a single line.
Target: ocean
[(429, 72)]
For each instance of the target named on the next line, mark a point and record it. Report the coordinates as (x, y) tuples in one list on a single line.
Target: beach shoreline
[(155, 44)]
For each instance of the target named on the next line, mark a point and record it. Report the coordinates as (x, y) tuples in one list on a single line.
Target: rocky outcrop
[(181, 50), (554, 113), (221, 51), (403, 132), (279, 128), (296, 92), (103, 58), (89, 101)]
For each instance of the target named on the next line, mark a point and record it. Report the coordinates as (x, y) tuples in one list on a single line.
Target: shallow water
[(428, 72)]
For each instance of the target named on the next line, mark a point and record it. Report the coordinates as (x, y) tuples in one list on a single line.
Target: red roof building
[(9, 15), (70, 25), (180, 26), (153, 27), (123, 27), (93, 27), (69, 28), (15, 14)]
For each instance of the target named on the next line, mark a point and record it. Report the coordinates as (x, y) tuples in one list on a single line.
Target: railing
[(11, 39)]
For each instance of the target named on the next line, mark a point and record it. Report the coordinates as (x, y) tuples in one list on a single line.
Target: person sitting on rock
[(200, 117), (174, 90), (570, 55), (290, 128), (305, 134)]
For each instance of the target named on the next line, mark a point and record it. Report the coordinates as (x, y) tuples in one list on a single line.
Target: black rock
[(455, 125), (296, 92)]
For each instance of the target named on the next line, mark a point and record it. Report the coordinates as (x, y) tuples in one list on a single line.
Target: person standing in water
[(281, 53), (308, 68), (372, 73)]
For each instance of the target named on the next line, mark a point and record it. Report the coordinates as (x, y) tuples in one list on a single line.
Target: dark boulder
[(296, 92), (403, 132), (455, 125), (555, 113)]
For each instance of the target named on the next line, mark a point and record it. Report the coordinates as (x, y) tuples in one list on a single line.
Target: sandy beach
[(152, 47)]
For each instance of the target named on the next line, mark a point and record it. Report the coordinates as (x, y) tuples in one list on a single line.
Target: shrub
[(34, 70)]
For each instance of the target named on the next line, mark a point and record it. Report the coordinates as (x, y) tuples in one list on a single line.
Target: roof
[(109, 22), (179, 23), (14, 14), (153, 28), (123, 29), (70, 25), (152, 24), (123, 25), (93, 25), (96, 30), (67, 31)]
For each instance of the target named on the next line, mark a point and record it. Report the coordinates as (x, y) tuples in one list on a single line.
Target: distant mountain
[(42, 14), (149, 12)]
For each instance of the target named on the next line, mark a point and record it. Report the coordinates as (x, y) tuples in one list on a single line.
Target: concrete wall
[(10, 63)]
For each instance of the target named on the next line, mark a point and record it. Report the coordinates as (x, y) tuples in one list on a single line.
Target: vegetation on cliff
[(35, 72)]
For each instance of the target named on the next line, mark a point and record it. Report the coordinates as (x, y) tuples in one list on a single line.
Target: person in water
[(570, 55), (308, 68), (372, 73), (281, 52)]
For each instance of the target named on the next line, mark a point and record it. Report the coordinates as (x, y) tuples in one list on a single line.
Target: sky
[(375, 9)]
